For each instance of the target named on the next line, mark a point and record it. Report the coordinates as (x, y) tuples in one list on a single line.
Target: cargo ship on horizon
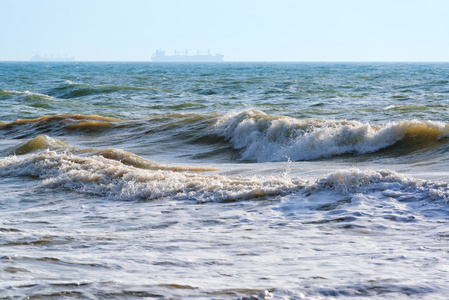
[(182, 56)]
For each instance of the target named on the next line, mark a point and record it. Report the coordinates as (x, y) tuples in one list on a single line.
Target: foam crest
[(262, 137), (28, 94), (119, 180), (44, 142), (389, 183), (105, 177), (70, 82)]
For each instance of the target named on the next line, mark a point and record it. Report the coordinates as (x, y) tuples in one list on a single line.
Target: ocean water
[(224, 181)]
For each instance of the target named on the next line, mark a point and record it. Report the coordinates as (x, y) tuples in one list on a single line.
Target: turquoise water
[(364, 92), (224, 181)]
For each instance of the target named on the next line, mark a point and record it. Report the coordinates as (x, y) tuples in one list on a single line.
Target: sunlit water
[(224, 181)]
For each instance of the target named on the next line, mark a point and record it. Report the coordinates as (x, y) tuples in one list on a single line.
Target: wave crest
[(53, 123), (105, 177), (44, 142), (72, 89), (388, 182), (28, 95), (262, 137), (39, 143), (121, 176)]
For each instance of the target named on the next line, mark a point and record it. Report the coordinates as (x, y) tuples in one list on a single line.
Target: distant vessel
[(46, 58), (182, 56)]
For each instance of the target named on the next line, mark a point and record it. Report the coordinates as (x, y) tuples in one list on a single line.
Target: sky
[(242, 30)]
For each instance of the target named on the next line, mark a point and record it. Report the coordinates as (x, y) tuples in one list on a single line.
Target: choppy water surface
[(224, 181)]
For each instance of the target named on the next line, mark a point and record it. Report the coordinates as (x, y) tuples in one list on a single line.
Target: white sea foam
[(390, 107), (31, 94), (389, 183), (70, 82), (262, 137), (108, 177), (101, 176)]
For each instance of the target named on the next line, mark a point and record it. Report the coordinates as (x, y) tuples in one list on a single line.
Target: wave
[(248, 135), (181, 106), (80, 122), (28, 95), (388, 182), (38, 143), (72, 89), (406, 107), (55, 123), (263, 137), (119, 175), (111, 178), (44, 142)]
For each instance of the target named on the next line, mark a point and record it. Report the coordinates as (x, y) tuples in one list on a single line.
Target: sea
[(248, 181)]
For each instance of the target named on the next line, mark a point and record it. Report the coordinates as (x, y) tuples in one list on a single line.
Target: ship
[(182, 56), (37, 57)]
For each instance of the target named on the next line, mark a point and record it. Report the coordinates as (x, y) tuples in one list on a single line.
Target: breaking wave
[(256, 136), (101, 176), (44, 142), (263, 137), (121, 175), (388, 182)]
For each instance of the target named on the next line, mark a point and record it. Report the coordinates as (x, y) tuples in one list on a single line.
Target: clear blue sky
[(242, 30)]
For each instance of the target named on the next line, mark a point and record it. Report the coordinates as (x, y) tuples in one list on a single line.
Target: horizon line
[(236, 61)]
